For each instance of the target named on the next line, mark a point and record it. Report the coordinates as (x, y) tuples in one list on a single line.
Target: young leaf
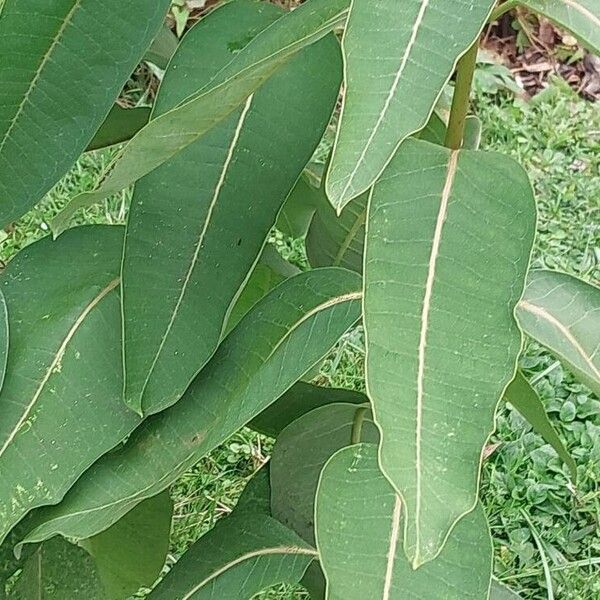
[(132, 553), (338, 240), (297, 401), (120, 125), (241, 556), (562, 313), (286, 333), (59, 569), (249, 68), (449, 235), (358, 527), (62, 64), (300, 454), (61, 401), (398, 58), (214, 203), (524, 398), (580, 17)]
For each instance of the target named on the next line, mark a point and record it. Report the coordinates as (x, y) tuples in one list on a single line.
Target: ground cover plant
[(130, 355)]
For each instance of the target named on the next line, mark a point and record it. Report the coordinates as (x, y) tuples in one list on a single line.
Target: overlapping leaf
[(62, 64), (173, 131), (198, 223), (448, 241), (120, 125), (358, 526), (299, 208), (398, 56), (562, 313), (238, 558), (61, 402), (580, 17), (287, 332)]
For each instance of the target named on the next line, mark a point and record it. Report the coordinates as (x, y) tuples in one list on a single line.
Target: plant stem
[(359, 419), (502, 9), (460, 101)]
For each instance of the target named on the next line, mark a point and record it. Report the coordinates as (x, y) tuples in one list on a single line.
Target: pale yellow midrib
[(435, 248), (38, 72), (584, 11), (391, 555), (57, 358)]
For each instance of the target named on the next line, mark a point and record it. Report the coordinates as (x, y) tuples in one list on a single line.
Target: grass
[(545, 532)]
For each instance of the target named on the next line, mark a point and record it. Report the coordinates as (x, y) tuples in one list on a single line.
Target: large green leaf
[(358, 525), (62, 64), (562, 313), (524, 398), (132, 553), (297, 401), (238, 558), (300, 453), (61, 402), (287, 332), (580, 17), (299, 208), (398, 58), (256, 497), (448, 241), (249, 68), (198, 223), (120, 125), (59, 570)]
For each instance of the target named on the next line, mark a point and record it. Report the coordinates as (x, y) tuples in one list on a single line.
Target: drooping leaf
[(358, 525), (448, 244), (580, 17), (61, 402), (499, 591), (524, 398), (249, 68), (241, 556), (62, 65), (162, 48), (299, 455), (132, 553), (297, 401), (338, 241), (270, 270), (287, 332), (399, 56), (562, 313), (299, 208), (198, 223), (56, 570), (120, 125), (4, 338)]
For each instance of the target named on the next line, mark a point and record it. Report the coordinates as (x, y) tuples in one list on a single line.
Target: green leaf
[(287, 332), (299, 455), (58, 570), (435, 131), (61, 402), (249, 68), (162, 48), (299, 208), (120, 125), (270, 271), (4, 338), (256, 497), (524, 398), (398, 58), (358, 527), (62, 65), (338, 241), (214, 203), (499, 591), (297, 401), (132, 553), (239, 557), (562, 313), (580, 17), (448, 244)]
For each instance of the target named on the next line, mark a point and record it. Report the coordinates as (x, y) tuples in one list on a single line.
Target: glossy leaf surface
[(448, 241), (358, 527), (62, 65)]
